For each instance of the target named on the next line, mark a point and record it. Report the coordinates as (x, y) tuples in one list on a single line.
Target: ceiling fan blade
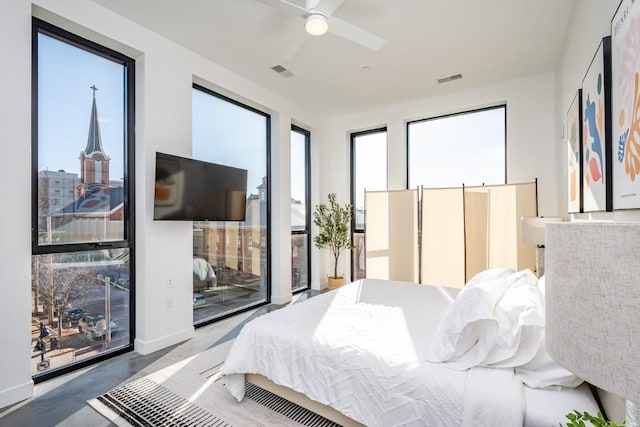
[(286, 6), (336, 26), (327, 7), (294, 47), (355, 34)]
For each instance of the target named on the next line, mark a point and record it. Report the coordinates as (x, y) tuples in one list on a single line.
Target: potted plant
[(334, 223)]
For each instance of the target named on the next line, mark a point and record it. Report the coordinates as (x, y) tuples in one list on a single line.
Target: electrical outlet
[(170, 283)]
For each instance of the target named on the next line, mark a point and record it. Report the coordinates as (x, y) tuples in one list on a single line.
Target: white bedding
[(363, 351)]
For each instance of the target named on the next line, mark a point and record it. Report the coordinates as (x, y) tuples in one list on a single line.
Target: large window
[(300, 210), (466, 148), (368, 173), (231, 259), (82, 202)]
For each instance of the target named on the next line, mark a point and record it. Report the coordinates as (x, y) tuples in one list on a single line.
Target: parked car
[(199, 300), (72, 314), (95, 326)]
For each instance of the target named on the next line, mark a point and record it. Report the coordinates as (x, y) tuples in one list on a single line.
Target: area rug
[(192, 393)]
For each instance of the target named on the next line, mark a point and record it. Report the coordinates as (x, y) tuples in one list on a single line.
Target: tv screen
[(193, 190)]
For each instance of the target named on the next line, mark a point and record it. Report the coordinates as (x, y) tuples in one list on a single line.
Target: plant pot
[(335, 282)]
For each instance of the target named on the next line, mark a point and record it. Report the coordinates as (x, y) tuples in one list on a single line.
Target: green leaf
[(576, 420), (334, 223)]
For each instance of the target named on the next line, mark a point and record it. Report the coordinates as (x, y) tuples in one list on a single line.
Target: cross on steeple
[(94, 142)]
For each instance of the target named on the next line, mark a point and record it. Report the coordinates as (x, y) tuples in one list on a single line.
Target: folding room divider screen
[(443, 249), (462, 232), (391, 224)]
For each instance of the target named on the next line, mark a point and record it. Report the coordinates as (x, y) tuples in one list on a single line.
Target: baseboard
[(16, 394), (148, 347), (279, 300)]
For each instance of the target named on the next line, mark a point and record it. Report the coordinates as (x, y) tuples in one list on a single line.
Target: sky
[(223, 133), (230, 135), (65, 77), (370, 165), (460, 149), (448, 151), (443, 152)]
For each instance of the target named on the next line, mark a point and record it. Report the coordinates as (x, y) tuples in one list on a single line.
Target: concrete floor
[(62, 401)]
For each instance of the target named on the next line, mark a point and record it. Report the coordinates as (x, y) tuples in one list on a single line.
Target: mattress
[(362, 350)]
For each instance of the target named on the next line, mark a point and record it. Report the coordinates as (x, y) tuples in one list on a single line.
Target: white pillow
[(520, 317), (486, 275), (467, 331)]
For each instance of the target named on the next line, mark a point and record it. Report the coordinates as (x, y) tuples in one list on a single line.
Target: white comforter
[(362, 350)]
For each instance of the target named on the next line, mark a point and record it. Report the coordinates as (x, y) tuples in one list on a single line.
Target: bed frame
[(302, 400)]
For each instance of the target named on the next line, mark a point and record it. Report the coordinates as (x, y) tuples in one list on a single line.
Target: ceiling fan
[(318, 18)]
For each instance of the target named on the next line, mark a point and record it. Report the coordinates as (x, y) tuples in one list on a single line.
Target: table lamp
[(592, 305)]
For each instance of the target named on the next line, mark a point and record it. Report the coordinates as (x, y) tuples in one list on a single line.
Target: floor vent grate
[(288, 409), (146, 403)]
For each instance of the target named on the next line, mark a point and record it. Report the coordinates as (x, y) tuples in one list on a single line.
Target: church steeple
[(94, 162), (94, 141)]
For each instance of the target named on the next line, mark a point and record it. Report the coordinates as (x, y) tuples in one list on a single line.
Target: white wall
[(164, 76), (15, 226), (590, 22), (530, 138)]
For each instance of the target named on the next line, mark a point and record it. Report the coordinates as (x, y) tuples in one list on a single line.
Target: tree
[(333, 221), (59, 285)]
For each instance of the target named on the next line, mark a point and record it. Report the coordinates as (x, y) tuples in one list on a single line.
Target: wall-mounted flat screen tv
[(193, 190)]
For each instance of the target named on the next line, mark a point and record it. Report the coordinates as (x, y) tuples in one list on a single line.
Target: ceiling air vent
[(282, 71), (450, 78)]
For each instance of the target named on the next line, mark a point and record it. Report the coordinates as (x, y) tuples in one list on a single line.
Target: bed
[(385, 353)]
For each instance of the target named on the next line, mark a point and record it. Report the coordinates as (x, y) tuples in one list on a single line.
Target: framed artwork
[(596, 132), (625, 105), (574, 154)]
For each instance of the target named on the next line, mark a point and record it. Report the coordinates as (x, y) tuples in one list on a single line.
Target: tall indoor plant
[(334, 223)]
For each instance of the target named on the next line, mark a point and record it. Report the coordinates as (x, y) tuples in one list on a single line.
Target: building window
[(466, 148), (82, 226), (300, 210), (236, 278), (368, 173)]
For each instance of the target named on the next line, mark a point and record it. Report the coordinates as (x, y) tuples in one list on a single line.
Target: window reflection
[(234, 275), (300, 212)]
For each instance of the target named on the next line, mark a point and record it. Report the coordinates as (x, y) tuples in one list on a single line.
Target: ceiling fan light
[(316, 24)]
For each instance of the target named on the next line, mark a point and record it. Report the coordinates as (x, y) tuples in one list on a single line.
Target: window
[(82, 214), (466, 148), (300, 210), (368, 173), (230, 271)]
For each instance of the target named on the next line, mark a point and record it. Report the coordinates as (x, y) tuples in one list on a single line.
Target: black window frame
[(307, 229), (42, 27), (355, 230), (268, 206)]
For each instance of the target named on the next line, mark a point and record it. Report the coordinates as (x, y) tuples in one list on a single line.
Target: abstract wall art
[(596, 132), (574, 154), (625, 104)]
